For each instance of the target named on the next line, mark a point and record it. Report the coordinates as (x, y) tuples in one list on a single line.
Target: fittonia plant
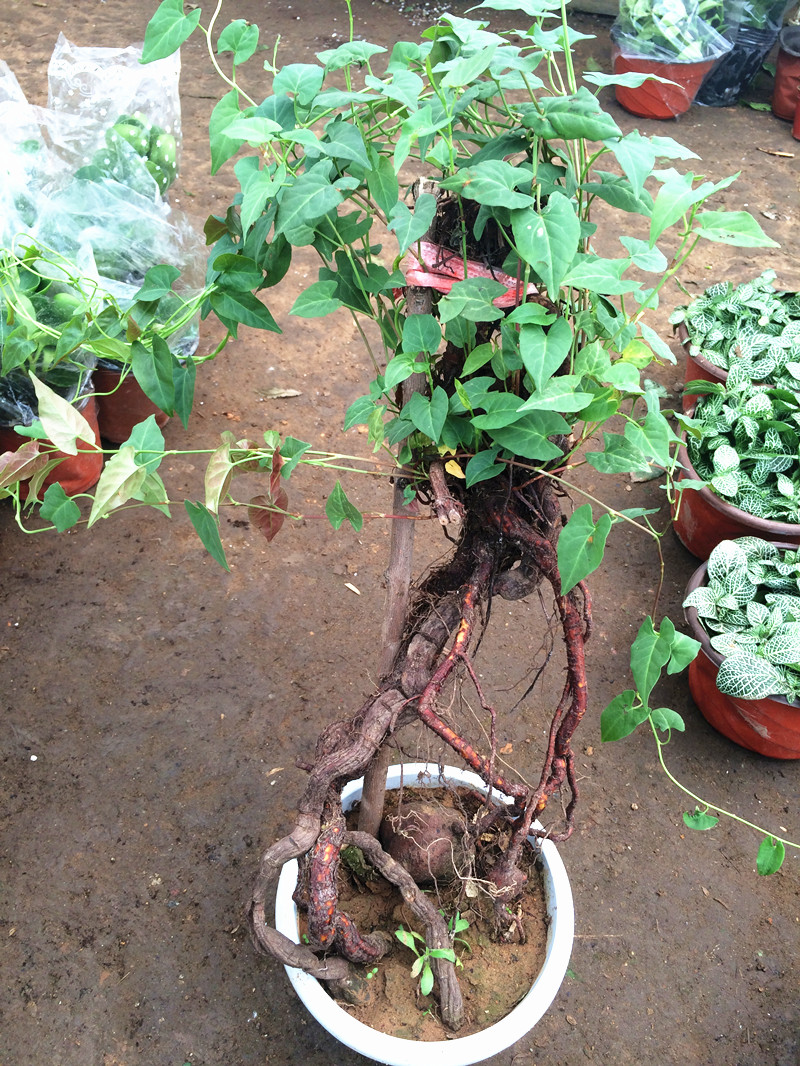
[(751, 608), (753, 324), (744, 442)]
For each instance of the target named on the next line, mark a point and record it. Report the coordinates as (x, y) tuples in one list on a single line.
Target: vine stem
[(660, 745)]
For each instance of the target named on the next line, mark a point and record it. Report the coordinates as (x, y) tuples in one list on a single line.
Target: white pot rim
[(460, 1051)]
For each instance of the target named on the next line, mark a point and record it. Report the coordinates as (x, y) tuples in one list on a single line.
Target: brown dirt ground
[(166, 701)]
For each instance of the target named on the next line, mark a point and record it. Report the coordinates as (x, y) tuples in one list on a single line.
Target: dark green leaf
[(153, 370), (620, 717), (421, 333), (239, 37), (205, 524), (428, 415), (305, 202), (317, 300), (699, 820), (222, 146), (528, 437), (581, 545), (167, 30), (472, 299), (383, 185), (292, 451), (59, 509), (650, 653), (410, 226), (184, 375), (549, 240), (771, 854), (339, 509), (157, 282), (241, 308)]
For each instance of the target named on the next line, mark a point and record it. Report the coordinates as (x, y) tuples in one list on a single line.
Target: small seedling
[(422, 963), (455, 925)]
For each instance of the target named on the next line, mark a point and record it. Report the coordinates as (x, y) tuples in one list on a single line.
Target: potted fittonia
[(743, 605), (740, 462), (753, 325), (446, 188), (675, 43)]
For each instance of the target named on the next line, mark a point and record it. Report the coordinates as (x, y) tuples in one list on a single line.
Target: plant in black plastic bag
[(757, 30)]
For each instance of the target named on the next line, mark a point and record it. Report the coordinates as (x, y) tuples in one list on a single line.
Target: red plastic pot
[(770, 726), (697, 368), (701, 519), (786, 92), (122, 405), (76, 473), (654, 99)]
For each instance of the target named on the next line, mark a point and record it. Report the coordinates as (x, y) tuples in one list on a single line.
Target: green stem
[(660, 744)]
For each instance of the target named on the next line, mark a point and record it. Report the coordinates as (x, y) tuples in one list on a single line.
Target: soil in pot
[(76, 473), (122, 404), (493, 976)]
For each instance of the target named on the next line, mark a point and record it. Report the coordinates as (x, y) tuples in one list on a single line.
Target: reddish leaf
[(21, 464), (275, 478), (263, 518)]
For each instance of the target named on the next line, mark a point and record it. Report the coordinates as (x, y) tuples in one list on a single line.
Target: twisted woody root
[(508, 546)]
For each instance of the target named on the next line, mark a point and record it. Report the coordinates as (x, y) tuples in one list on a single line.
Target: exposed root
[(503, 534)]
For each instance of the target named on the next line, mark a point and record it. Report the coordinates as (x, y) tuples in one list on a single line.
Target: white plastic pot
[(460, 1051)]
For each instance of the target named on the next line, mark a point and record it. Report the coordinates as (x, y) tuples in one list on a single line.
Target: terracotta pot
[(460, 1051), (653, 99), (701, 519), (770, 726), (787, 74), (697, 368), (122, 405), (76, 473)]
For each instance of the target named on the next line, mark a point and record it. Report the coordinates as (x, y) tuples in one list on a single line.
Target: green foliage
[(752, 325), (422, 964), (743, 441), (737, 568), (750, 604)]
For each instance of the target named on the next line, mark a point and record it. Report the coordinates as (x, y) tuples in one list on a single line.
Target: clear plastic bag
[(101, 84), (84, 179), (671, 31)]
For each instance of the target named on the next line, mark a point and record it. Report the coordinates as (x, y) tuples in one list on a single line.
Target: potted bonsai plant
[(675, 42), (500, 354), (743, 605)]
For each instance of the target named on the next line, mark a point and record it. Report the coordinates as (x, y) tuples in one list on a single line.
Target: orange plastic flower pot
[(76, 473), (121, 405), (654, 99), (701, 519), (769, 726)]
